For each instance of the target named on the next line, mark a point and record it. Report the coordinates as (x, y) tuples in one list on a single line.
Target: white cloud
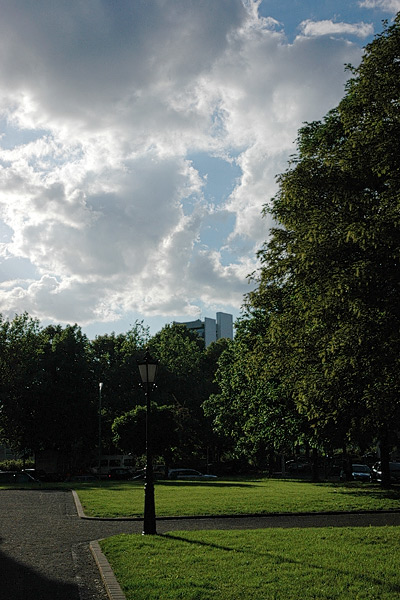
[(106, 212), (391, 6), (328, 27)]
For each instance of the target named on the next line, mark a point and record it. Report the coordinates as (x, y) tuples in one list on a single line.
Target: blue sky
[(141, 139)]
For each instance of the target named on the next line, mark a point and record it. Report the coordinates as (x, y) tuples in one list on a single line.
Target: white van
[(113, 461)]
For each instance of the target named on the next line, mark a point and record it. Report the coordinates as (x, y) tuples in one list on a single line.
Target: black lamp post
[(99, 465), (148, 370)]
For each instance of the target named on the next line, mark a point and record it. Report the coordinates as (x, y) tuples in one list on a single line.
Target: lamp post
[(99, 466), (148, 370)]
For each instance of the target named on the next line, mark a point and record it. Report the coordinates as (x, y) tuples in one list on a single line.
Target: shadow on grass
[(278, 558), (139, 484), (367, 490), (354, 485), (171, 536), (212, 483)]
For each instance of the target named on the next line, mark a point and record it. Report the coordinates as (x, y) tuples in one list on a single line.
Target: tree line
[(50, 395), (316, 356)]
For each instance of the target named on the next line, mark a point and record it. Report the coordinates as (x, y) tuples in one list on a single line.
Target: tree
[(68, 399), (179, 384), (216, 444), (46, 393), (20, 380), (114, 364), (129, 432), (330, 271), (249, 408)]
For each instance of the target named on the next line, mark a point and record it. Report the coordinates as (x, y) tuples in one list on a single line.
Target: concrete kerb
[(110, 582)]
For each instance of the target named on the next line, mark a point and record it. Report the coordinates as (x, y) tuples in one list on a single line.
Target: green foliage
[(183, 384), (114, 362), (66, 407), (249, 408), (20, 378), (45, 386), (178, 349), (16, 464), (129, 431)]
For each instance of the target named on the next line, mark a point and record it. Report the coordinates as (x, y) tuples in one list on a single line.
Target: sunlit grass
[(279, 564), (258, 496)]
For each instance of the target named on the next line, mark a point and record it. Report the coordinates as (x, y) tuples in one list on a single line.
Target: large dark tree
[(114, 362), (129, 432), (179, 378), (330, 273), (46, 388), (21, 378), (67, 407)]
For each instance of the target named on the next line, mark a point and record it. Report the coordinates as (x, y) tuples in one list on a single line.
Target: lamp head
[(148, 368)]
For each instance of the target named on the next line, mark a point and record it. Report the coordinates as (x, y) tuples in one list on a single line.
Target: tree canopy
[(46, 383)]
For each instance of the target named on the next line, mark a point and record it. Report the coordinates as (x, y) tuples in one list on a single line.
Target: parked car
[(394, 468), (82, 478), (359, 473), (16, 477), (141, 474), (299, 465), (121, 474), (37, 474), (188, 474)]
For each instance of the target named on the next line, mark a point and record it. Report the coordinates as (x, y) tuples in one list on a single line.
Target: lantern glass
[(148, 368)]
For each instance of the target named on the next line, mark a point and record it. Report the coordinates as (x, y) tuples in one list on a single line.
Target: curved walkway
[(44, 544)]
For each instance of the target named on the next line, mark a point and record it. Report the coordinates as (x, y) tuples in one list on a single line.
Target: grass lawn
[(280, 564), (258, 496)]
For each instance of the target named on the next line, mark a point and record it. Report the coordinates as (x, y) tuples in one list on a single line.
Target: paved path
[(44, 552)]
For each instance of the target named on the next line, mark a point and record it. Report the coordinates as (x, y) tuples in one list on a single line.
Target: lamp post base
[(149, 522)]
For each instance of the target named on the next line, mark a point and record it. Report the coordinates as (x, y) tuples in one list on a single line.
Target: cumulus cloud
[(104, 209), (391, 6), (329, 27)]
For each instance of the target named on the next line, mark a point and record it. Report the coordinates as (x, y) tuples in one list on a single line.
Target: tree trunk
[(315, 466), (347, 466), (385, 482)]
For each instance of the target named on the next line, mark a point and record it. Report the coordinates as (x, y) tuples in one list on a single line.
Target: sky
[(140, 140)]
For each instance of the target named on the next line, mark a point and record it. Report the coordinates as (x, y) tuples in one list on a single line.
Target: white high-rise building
[(212, 330)]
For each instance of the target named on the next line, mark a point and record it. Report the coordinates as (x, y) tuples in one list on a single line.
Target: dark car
[(299, 465), (394, 468), (121, 474), (37, 474), (16, 477), (359, 473), (82, 478), (188, 474)]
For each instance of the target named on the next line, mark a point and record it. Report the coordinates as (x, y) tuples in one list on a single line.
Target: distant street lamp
[(98, 470), (148, 370)]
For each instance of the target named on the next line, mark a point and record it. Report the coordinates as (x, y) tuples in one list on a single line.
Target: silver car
[(188, 474)]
